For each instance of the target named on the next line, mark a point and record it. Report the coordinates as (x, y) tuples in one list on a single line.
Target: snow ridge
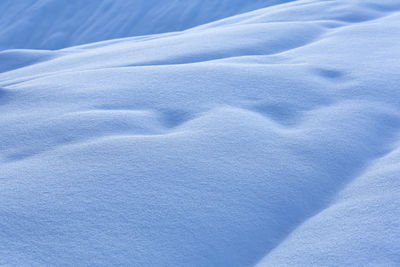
[(57, 24), (269, 138)]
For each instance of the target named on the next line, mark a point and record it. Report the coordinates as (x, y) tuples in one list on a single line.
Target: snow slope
[(54, 24), (270, 138)]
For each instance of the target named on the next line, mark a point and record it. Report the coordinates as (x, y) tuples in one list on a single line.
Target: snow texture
[(268, 138), (54, 24)]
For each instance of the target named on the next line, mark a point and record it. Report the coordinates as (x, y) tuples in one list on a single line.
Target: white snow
[(54, 24), (269, 138)]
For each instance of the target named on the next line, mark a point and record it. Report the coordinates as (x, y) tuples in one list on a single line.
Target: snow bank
[(268, 138)]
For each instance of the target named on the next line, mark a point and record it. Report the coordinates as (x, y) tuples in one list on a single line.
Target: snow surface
[(270, 138), (54, 24)]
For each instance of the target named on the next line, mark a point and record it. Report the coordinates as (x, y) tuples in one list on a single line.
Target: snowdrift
[(54, 24), (269, 138)]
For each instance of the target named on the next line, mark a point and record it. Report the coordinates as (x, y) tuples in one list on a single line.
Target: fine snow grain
[(268, 138)]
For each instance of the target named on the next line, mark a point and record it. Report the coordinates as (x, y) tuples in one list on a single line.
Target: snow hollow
[(199, 133)]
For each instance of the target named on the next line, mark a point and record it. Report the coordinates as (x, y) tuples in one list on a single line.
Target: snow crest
[(269, 138)]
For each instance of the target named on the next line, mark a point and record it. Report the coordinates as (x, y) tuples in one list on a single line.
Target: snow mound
[(269, 138)]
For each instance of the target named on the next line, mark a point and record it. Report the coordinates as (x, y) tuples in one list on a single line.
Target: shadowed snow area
[(54, 24), (270, 138)]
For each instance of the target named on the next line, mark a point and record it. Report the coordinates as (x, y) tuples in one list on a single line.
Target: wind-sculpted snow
[(270, 138), (54, 24)]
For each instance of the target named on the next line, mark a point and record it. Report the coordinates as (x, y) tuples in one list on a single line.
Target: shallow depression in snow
[(270, 137)]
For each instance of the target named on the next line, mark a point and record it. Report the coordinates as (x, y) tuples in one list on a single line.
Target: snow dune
[(269, 138), (54, 24)]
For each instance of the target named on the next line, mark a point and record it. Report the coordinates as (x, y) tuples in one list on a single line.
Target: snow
[(54, 24), (269, 138)]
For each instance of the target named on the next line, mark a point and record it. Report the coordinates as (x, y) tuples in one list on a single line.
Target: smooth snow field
[(211, 133)]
